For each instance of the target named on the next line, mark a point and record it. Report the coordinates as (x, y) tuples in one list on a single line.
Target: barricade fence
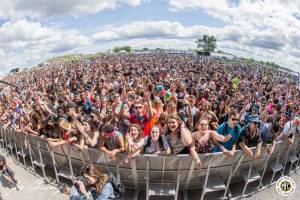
[(218, 173)]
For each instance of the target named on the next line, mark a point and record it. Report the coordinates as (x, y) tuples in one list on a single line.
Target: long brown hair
[(97, 174), (139, 128), (179, 121)]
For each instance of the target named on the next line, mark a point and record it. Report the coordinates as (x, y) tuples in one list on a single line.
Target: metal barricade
[(171, 174)]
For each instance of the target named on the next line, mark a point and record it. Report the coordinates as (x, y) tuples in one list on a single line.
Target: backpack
[(118, 187)]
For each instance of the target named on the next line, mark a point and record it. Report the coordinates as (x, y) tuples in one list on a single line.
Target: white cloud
[(18, 9), (24, 43), (151, 29), (23, 30), (271, 28), (268, 30), (270, 44)]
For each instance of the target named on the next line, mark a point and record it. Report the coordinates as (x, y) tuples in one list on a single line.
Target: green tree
[(116, 50), (207, 44)]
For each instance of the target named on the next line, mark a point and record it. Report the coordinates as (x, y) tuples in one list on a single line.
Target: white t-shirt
[(288, 130)]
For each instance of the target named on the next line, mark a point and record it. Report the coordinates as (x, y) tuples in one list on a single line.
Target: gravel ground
[(32, 187)]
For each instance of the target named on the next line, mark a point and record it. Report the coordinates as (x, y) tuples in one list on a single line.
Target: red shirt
[(142, 120)]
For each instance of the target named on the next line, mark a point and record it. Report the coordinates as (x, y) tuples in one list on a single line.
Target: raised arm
[(195, 156), (186, 137), (246, 149), (258, 150), (217, 137)]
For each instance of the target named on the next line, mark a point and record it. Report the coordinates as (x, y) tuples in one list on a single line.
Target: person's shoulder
[(118, 133), (222, 126), (287, 125), (239, 127)]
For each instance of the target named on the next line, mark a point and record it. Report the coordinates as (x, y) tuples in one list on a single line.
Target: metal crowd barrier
[(151, 172)]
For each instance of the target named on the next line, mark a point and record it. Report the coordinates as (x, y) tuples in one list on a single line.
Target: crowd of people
[(156, 103)]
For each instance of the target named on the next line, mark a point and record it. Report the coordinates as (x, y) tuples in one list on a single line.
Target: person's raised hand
[(227, 137), (80, 128)]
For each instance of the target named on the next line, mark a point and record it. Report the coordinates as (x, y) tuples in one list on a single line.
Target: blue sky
[(34, 30), (151, 11)]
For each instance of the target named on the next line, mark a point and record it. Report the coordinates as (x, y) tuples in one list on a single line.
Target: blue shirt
[(235, 136)]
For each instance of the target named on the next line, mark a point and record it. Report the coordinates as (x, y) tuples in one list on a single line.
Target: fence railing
[(144, 171)]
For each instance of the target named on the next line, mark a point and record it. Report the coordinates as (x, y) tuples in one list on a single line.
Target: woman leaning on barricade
[(203, 140), (178, 136)]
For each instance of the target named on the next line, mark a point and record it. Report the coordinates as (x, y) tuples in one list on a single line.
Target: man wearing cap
[(290, 130), (251, 137)]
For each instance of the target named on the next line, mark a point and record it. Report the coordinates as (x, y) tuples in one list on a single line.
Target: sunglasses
[(138, 107), (234, 119)]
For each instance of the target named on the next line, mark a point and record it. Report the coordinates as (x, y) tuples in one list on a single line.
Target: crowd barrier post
[(298, 153), (2, 141), (190, 175), (50, 150), (64, 172), (82, 157), (39, 162), (105, 156), (13, 133), (178, 177), (163, 170), (247, 179), (10, 147), (118, 169), (30, 155), (147, 177), (294, 159), (278, 166), (134, 172), (238, 163), (22, 140), (286, 159), (70, 161), (135, 177), (226, 192), (264, 169), (206, 178), (5, 140)]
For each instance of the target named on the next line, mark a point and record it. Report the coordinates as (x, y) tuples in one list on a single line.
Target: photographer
[(92, 184), (7, 174)]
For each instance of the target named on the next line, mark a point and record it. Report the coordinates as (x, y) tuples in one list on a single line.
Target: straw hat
[(63, 123)]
